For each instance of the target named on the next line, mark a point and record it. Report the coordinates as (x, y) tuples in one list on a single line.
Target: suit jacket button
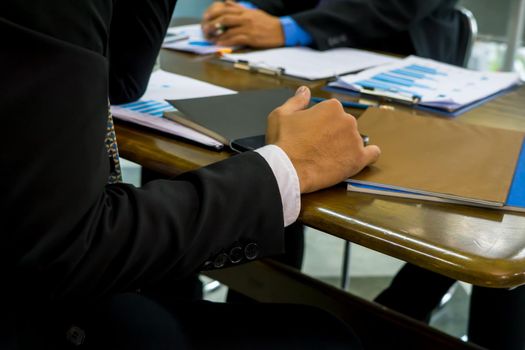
[(76, 335), (236, 255), (207, 265), (220, 260), (251, 251)]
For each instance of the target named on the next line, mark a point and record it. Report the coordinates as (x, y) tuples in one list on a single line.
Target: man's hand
[(322, 142), (219, 8), (231, 24)]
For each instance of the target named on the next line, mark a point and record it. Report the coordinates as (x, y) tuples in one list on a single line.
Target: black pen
[(348, 104)]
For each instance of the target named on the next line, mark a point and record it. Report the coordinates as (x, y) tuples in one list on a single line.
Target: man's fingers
[(333, 105), (229, 34), (223, 22), (237, 40), (217, 29), (233, 4), (212, 11), (230, 20), (372, 153), (298, 102), (223, 12), (220, 9)]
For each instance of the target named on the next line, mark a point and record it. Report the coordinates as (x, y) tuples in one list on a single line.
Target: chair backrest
[(468, 35)]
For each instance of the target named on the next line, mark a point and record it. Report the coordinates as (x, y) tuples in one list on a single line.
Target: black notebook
[(238, 120)]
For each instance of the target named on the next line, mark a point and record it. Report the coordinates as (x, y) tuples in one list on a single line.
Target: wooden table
[(480, 246)]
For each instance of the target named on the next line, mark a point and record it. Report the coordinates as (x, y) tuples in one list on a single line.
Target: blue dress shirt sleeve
[(294, 34)]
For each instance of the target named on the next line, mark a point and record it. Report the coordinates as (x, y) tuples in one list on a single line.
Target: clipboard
[(238, 121), (307, 63), (433, 110), (429, 85)]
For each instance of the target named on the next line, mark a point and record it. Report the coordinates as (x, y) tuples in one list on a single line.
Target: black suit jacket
[(66, 236), (428, 28)]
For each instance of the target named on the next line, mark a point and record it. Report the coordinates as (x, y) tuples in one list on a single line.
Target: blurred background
[(492, 16)]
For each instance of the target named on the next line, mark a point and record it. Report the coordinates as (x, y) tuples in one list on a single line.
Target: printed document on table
[(149, 109), (191, 39), (307, 63), (435, 84), (170, 86)]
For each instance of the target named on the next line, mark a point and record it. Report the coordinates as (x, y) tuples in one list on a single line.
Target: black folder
[(238, 120)]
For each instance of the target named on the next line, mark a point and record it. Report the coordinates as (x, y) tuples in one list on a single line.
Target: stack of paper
[(307, 63), (435, 85), (190, 38), (149, 109), (443, 160)]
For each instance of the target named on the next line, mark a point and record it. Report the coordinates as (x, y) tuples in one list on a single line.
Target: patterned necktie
[(115, 174)]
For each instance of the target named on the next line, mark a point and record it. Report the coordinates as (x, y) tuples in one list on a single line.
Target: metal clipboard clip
[(247, 66), (391, 96)]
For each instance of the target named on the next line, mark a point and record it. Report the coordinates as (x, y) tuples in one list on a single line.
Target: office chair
[(467, 36)]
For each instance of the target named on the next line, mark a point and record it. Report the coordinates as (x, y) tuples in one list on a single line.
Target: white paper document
[(434, 84), (163, 85), (307, 63), (149, 109), (191, 39)]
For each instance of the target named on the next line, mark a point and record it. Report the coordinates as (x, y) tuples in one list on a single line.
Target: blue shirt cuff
[(294, 35), (247, 4)]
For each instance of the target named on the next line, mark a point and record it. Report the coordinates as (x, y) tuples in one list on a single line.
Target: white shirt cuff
[(287, 180)]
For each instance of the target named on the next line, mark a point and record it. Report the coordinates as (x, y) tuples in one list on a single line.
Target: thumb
[(298, 102)]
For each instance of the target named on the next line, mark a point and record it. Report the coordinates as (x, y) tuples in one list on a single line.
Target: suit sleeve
[(284, 7), (137, 30), (64, 233), (361, 23)]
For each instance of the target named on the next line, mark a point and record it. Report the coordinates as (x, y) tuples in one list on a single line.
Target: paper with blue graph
[(190, 38), (149, 109), (428, 83)]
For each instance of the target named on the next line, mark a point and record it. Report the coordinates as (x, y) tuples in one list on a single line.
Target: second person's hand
[(240, 26)]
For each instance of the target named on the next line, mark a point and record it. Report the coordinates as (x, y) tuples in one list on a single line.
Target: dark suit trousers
[(133, 321)]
